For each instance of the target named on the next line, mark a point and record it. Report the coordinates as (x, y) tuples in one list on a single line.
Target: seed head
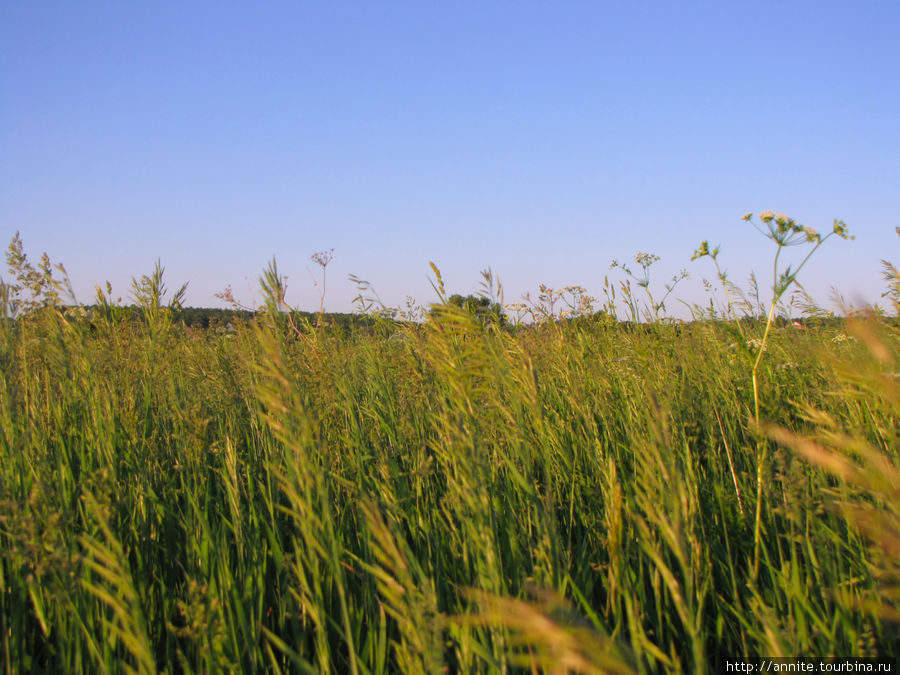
[(322, 257)]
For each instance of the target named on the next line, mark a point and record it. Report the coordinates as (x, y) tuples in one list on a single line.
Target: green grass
[(423, 497), (444, 496)]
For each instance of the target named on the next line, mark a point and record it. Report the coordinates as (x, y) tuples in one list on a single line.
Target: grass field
[(450, 495)]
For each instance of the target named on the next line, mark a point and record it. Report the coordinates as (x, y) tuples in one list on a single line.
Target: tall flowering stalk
[(784, 232)]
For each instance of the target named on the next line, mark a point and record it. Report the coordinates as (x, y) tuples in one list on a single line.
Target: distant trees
[(480, 307)]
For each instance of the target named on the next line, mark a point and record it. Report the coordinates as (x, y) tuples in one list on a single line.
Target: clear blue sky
[(543, 139)]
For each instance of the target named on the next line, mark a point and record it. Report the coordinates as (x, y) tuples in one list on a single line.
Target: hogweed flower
[(646, 259), (323, 257), (840, 229)]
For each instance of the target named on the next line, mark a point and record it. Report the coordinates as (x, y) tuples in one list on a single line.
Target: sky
[(540, 139)]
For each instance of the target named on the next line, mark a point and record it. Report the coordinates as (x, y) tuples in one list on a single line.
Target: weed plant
[(450, 495)]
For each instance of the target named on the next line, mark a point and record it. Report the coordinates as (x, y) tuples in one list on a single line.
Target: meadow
[(580, 492)]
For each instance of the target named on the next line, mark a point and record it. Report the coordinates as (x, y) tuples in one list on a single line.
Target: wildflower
[(323, 257), (646, 259), (840, 229), (756, 343)]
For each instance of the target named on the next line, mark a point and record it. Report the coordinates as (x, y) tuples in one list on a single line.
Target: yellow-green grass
[(431, 496), (452, 495)]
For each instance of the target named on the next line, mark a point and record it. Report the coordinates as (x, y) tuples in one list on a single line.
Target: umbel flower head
[(786, 231)]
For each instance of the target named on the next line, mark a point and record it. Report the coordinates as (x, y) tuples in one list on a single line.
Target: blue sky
[(541, 139)]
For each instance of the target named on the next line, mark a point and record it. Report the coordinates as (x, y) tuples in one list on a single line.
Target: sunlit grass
[(451, 495)]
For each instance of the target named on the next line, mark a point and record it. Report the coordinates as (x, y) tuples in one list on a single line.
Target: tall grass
[(452, 495)]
